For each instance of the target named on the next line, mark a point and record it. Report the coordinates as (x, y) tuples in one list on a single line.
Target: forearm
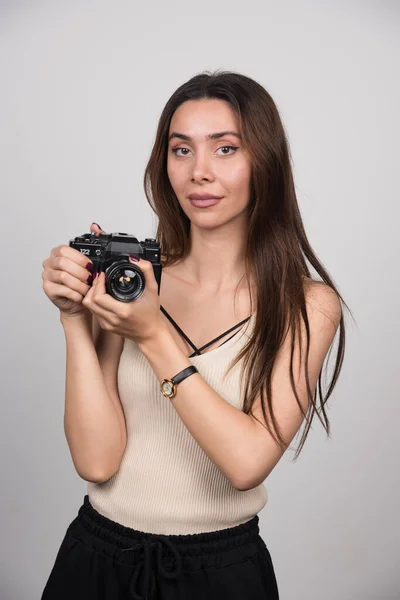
[(225, 433), (91, 422)]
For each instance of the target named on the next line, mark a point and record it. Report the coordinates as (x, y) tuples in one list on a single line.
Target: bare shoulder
[(321, 298)]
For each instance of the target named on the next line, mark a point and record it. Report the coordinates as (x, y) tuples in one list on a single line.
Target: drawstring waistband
[(156, 555), (149, 584)]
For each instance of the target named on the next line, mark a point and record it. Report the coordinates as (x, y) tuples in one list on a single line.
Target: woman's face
[(208, 166)]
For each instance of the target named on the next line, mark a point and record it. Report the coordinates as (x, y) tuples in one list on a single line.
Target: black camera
[(110, 252)]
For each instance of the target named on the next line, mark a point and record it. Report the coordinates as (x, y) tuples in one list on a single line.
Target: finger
[(67, 273), (72, 253), (91, 293), (105, 300), (61, 291), (69, 281), (100, 287), (71, 266), (101, 283), (95, 228), (99, 311), (88, 300), (147, 268), (96, 282), (98, 305), (95, 294)]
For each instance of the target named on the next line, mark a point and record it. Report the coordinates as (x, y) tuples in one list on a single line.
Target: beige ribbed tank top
[(166, 483)]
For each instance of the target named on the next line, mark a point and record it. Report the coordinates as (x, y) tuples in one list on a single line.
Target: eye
[(175, 150), (229, 147)]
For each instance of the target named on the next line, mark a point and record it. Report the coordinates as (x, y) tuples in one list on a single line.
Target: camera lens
[(125, 282)]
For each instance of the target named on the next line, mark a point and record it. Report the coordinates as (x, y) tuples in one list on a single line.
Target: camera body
[(110, 252)]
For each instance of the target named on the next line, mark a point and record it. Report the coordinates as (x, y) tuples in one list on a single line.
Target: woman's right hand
[(66, 279)]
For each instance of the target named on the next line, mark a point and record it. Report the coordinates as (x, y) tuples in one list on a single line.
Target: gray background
[(83, 85)]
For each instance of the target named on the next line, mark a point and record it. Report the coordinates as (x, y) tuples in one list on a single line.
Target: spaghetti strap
[(177, 327), (197, 351)]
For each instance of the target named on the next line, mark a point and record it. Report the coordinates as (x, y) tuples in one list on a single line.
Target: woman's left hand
[(138, 320)]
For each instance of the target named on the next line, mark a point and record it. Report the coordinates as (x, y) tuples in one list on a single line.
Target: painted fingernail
[(89, 267), (134, 257), (90, 279)]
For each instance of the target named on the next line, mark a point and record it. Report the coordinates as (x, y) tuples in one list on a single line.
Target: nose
[(201, 168)]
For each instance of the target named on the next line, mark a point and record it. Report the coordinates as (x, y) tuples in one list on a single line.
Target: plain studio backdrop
[(82, 87)]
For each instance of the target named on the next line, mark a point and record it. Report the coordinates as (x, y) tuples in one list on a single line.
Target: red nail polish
[(90, 279), (89, 267), (134, 257)]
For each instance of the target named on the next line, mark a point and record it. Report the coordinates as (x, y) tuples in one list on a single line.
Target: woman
[(174, 449)]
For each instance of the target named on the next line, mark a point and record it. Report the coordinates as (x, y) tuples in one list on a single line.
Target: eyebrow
[(211, 136)]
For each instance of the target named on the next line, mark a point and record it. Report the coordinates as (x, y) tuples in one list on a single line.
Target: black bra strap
[(222, 335), (177, 327), (198, 350)]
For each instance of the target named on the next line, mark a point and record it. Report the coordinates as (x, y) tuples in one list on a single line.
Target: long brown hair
[(277, 245)]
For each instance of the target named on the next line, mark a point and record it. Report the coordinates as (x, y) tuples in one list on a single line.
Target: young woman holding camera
[(176, 435)]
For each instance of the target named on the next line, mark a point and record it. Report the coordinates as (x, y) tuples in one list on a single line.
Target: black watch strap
[(168, 386), (183, 374)]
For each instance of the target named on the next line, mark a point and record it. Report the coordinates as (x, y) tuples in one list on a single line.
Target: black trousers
[(100, 559)]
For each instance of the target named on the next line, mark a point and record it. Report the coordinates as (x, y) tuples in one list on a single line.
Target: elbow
[(96, 477), (100, 476), (244, 485), (250, 478), (93, 477), (244, 482)]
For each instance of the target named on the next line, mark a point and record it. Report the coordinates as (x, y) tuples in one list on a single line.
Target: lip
[(203, 197), (204, 203)]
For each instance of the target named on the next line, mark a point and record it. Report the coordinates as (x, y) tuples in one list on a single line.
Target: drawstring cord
[(154, 542)]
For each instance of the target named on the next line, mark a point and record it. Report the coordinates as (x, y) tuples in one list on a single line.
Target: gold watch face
[(167, 388)]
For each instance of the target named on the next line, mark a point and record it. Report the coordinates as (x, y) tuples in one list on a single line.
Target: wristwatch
[(168, 386)]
